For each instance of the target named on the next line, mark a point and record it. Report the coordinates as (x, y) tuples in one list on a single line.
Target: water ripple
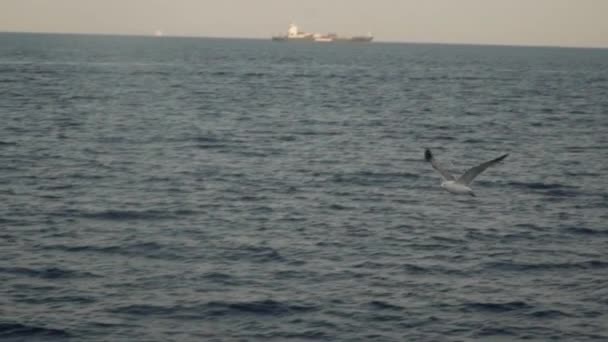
[(188, 189)]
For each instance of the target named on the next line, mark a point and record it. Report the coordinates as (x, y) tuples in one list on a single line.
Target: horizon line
[(164, 36)]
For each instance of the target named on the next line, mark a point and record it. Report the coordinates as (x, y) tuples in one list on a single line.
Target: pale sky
[(512, 22)]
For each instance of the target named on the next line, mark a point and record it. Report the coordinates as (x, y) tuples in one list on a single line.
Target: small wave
[(145, 310), (447, 239), (539, 185), (109, 249), (494, 331), (445, 137), (313, 133), (184, 212), (372, 178), (252, 198), (378, 304), (562, 193), (582, 174), (514, 266), (9, 238), (263, 307), (121, 215), (496, 307), (578, 111), (60, 299), (409, 268), (147, 249), (552, 189), (586, 231), (386, 318), (154, 72), (336, 206), (22, 331), (302, 75), (369, 264), (8, 80), (221, 73), (55, 187), (220, 278), (86, 176), (474, 141), (207, 139), (46, 273), (253, 154), (85, 98), (549, 314), (313, 335), (287, 138), (211, 141), (337, 75), (529, 226), (253, 75), (256, 254), (215, 308), (210, 146)]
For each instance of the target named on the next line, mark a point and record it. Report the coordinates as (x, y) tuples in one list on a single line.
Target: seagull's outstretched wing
[(428, 156), (471, 173)]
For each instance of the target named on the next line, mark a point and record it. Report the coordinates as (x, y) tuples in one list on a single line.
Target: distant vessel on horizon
[(294, 34)]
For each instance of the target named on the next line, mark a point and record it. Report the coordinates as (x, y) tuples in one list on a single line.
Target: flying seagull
[(460, 185)]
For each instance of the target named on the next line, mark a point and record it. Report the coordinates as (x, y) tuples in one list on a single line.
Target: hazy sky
[(520, 22)]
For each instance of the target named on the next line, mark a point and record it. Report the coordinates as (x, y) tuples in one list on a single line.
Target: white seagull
[(460, 185)]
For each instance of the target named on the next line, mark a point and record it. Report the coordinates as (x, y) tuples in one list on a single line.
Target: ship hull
[(324, 40)]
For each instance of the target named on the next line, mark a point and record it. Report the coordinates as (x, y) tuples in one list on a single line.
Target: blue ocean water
[(181, 189)]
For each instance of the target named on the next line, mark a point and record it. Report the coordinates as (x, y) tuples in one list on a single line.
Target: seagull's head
[(428, 156)]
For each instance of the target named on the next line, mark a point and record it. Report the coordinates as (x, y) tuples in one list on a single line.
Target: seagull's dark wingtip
[(502, 157), (428, 155)]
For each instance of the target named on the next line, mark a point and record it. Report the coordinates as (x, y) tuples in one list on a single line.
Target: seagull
[(460, 185)]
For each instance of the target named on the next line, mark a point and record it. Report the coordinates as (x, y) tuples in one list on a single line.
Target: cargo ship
[(294, 34)]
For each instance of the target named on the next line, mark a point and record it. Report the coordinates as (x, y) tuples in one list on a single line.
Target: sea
[(199, 189)]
